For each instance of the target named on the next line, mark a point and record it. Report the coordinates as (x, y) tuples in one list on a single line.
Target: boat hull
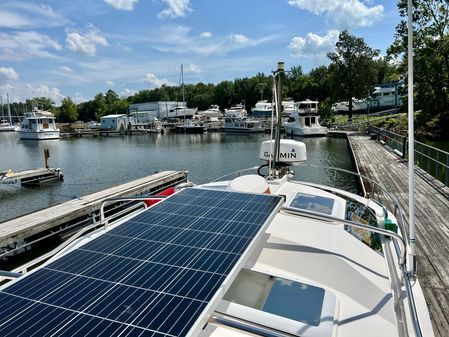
[(195, 129), (306, 131), (41, 135), (243, 130)]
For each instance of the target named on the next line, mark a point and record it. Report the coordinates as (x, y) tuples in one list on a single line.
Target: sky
[(78, 48)]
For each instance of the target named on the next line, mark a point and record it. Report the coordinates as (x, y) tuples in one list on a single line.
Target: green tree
[(431, 59), (352, 66), (68, 112), (43, 103)]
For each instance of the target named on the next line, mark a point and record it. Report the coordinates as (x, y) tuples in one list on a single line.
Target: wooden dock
[(31, 177), (432, 220), (54, 219)]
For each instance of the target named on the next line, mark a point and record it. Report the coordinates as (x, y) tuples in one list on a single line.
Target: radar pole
[(277, 137)]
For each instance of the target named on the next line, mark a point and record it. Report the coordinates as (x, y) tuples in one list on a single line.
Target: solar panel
[(156, 274)]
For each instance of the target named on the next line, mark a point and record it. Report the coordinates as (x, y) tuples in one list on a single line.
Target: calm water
[(93, 164)]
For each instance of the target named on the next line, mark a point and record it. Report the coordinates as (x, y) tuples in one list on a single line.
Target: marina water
[(93, 164)]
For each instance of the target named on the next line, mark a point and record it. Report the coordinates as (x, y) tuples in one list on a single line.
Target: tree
[(431, 59), (43, 103), (352, 66), (68, 110)]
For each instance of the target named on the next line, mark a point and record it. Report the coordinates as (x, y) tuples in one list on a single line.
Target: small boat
[(38, 125), (7, 125), (304, 120), (191, 127)]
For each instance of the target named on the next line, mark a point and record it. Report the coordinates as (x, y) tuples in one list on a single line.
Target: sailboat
[(6, 125), (188, 126)]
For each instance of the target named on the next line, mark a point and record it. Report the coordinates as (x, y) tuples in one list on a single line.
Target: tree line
[(354, 69)]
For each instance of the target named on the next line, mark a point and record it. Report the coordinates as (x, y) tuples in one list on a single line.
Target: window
[(313, 120), (313, 203), (277, 302), (307, 121)]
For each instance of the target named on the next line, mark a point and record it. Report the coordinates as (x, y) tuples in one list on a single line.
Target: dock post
[(46, 156)]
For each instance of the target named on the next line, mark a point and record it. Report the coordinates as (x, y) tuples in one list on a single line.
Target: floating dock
[(74, 214), (382, 164), (31, 177)]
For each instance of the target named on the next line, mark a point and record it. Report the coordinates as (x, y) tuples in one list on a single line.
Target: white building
[(147, 112), (115, 122)]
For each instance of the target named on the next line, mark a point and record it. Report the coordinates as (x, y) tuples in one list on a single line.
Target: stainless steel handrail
[(19, 271), (117, 199)]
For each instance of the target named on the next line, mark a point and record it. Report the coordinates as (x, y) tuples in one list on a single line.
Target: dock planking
[(26, 226), (432, 220)]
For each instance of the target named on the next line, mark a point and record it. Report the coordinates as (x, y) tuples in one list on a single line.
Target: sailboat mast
[(9, 110), (411, 142), (1, 102)]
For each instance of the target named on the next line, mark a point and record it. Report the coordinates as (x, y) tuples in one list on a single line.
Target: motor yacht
[(304, 120), (38, 125)]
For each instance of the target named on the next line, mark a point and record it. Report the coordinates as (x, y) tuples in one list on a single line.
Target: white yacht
[(262, 109), (304, 120), (237, 121), (39, 125), (382, 98), (212, 114)]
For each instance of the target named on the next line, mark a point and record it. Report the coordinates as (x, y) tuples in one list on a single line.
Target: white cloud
[(125, 5), (206, 35), (110, 84), (127, 92), (78, 98), (24, 45), (239, 38), (343, 12), (313, 45), (152, 80), (8, 74), (66, 69), (45, 91), (18, 14), (179, 39), (176, 8), (192, 68), (85, 42)]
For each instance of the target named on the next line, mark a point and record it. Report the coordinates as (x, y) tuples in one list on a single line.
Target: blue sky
[(77, 48)]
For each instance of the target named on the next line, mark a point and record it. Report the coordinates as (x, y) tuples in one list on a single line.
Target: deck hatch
[(157, 274)]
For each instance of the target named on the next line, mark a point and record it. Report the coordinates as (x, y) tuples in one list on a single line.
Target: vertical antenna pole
[(411, 267), (277, 140)]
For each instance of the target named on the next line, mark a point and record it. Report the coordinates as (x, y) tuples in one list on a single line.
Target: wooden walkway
[(35, 223), (432, 221)]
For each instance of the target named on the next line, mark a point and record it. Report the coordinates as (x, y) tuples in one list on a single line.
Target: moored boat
[(38, 125), (191, 127), (304, 120)]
